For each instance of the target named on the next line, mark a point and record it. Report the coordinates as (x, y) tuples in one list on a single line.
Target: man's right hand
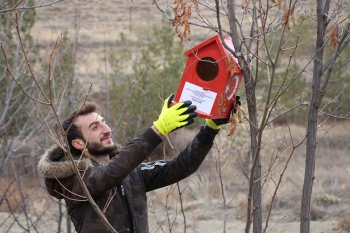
[(175, 117)]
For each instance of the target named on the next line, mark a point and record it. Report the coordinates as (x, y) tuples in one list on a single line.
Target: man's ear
[(78, 144)]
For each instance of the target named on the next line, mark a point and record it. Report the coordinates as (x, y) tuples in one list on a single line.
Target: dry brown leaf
[(285, 19), (186, 17), (245, 4), (274, 1), (292, 14), (233, 125), (182, 14), (239, 114), (279, 4), (196, 5), (334, 36)]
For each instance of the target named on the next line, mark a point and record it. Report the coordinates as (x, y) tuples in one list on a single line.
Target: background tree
[(142, 77), (20, 142), (336, 97), (17, 131), (14, 120)]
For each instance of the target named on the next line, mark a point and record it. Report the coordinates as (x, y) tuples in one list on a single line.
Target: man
[(118, 181)]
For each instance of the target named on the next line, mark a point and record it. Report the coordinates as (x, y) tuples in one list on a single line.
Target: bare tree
[(18, 135), (327, 19), (41, 100)]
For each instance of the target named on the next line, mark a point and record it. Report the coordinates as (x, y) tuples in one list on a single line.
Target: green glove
[(174, 117), (211, 124), (215, 123)]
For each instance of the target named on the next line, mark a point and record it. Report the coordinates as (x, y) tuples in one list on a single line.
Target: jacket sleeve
[(98, 179), (162, 173)]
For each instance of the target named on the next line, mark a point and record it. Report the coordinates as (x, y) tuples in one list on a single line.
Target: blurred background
[(126, 56)]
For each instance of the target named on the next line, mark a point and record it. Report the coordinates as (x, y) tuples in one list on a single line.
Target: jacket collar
[(55, 164)]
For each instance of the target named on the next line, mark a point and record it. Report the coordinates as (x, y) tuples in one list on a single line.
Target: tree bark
[(254, 195), (311, 133)]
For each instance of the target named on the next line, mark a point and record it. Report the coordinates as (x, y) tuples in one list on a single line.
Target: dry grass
[(201, 194), (203, 198), (98, 27), (25, 193), (344, 222)]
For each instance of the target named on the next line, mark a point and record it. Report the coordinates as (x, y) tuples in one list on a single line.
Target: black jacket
[(120, 187)]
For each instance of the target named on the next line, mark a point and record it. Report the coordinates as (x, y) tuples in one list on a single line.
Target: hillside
[(97, 25)]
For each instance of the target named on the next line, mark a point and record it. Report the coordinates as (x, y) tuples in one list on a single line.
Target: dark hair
[(74, 131)]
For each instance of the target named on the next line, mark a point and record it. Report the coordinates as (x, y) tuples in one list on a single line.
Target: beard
[(96, 149)]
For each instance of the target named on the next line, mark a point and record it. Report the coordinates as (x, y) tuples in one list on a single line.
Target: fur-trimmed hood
[(54, 164)]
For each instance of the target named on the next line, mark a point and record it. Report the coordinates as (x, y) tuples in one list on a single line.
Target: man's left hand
[(216, 123)]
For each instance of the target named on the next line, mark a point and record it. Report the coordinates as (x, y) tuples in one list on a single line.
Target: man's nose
[(106, 129)]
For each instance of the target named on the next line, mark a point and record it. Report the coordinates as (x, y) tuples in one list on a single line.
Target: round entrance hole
[(207, 68)]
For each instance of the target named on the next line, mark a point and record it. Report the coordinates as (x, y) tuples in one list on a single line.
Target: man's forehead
[(87, 119)]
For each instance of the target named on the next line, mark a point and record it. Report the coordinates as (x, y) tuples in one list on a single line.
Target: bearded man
[(118, 179)]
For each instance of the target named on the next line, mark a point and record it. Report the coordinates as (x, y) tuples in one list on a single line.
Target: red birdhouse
[(211, 78)]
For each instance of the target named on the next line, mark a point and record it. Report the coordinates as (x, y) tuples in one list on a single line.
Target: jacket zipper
[(127, 207), (123, 192)]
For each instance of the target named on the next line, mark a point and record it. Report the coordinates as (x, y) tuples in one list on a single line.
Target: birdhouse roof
[(222, 50)]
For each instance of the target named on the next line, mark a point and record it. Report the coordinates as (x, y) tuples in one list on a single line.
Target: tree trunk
[(257, 214), (311, 133), (255, 209)]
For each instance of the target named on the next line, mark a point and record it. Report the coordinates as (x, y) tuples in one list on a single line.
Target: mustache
[(106, 136)]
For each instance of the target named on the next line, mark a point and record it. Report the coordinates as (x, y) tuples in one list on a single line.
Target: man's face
[(96, 133)]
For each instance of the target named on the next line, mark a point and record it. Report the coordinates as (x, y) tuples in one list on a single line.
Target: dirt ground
[(201, 226)]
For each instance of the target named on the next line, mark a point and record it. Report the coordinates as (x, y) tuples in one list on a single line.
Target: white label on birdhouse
[(203, 99)]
